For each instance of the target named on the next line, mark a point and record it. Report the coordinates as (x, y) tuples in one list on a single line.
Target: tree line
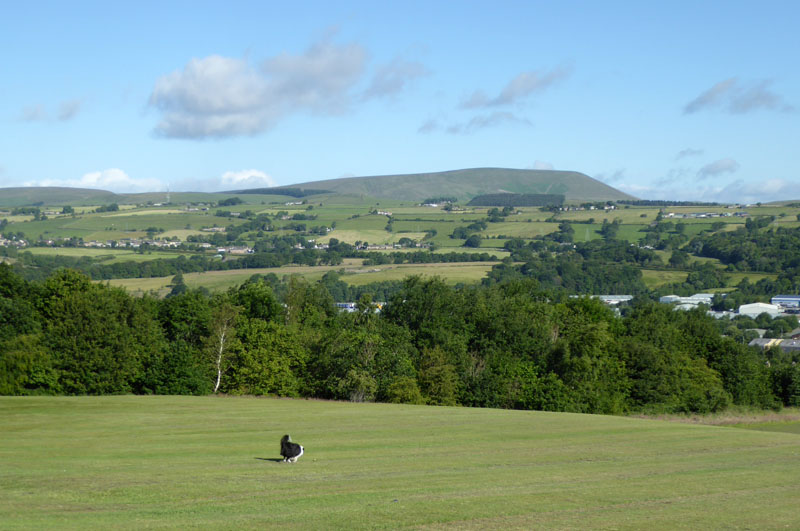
[(510, 344)]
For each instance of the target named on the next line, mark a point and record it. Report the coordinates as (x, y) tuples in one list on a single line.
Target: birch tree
[(223, 336)]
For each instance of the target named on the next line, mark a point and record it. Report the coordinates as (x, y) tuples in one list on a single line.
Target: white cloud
[(221, 96), (244, 179), (112, 179)]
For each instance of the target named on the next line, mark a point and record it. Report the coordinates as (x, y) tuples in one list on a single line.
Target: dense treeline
[(275, 254), (751, 249), (508, 345)]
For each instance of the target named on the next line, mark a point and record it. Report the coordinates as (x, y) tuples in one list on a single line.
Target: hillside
[(468, 183), (54, 195)]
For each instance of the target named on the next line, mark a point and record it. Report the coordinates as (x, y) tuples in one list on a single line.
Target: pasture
[(352, 272), (129, 462)]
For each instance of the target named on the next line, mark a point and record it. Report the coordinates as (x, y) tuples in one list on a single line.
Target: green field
[(106, 255), (353, 273), (212, 462), (655, 278)]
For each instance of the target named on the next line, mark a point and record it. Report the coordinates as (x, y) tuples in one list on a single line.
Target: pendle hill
[(463, 185)]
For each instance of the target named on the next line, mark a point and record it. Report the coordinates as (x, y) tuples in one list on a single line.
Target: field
[(353, 273), (350, 218), (181, 462)]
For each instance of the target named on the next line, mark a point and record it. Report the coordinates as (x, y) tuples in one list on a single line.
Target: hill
[(468, 183), (54, 195)]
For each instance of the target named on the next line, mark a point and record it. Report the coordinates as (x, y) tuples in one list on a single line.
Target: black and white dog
[(290, 451)]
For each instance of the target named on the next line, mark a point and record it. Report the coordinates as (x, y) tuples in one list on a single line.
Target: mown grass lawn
[(211, 462)]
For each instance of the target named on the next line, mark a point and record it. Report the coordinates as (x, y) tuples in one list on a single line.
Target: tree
[(473, 241), (223, 337), (267, 359)]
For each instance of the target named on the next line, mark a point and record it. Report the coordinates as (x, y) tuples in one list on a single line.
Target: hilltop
[(54, 195), (466, 184)]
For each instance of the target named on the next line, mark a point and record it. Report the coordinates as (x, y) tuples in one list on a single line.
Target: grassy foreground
[(181, 462)]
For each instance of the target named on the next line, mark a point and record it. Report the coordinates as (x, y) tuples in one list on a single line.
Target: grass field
[(211, 462), (655, 278), (354, 274), (108, 255)]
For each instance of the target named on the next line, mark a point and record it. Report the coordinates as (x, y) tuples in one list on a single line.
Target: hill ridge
[(464, 184)]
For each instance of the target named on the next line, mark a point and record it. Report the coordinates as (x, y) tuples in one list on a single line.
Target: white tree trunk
[(219, 359)]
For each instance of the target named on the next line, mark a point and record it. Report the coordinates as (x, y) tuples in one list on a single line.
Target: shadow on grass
[(273, 459)]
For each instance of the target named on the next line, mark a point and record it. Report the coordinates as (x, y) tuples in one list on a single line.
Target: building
[(613, 300), (786, 345), (694, 300), (757, 308), (787, 301)]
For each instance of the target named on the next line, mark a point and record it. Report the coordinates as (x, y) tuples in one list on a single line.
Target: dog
[(290, 451)]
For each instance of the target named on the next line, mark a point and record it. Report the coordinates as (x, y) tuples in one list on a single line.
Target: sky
[(663, 100)]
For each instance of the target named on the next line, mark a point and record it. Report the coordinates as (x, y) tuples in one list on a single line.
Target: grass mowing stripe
[(177, 462)]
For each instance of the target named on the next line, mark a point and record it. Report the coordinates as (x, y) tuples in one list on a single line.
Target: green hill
[(54, 195), (468, 183)]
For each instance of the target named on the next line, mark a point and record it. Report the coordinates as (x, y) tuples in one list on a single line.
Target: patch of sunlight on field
[(353, 273), (146, 213), (519, 229), (453, 273), (372, 236), (654, 278)]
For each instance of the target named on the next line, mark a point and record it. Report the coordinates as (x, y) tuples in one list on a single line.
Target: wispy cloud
[(736, 192), (718, 167), (33, 113), (67, 110), (484, 121), (737, 97), (542, 165), (688, 152), (611, 177), (113, 179), (431, 125), (518, 89), (394, 77)]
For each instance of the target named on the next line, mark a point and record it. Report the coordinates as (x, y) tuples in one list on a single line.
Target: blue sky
[(676, 100)]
